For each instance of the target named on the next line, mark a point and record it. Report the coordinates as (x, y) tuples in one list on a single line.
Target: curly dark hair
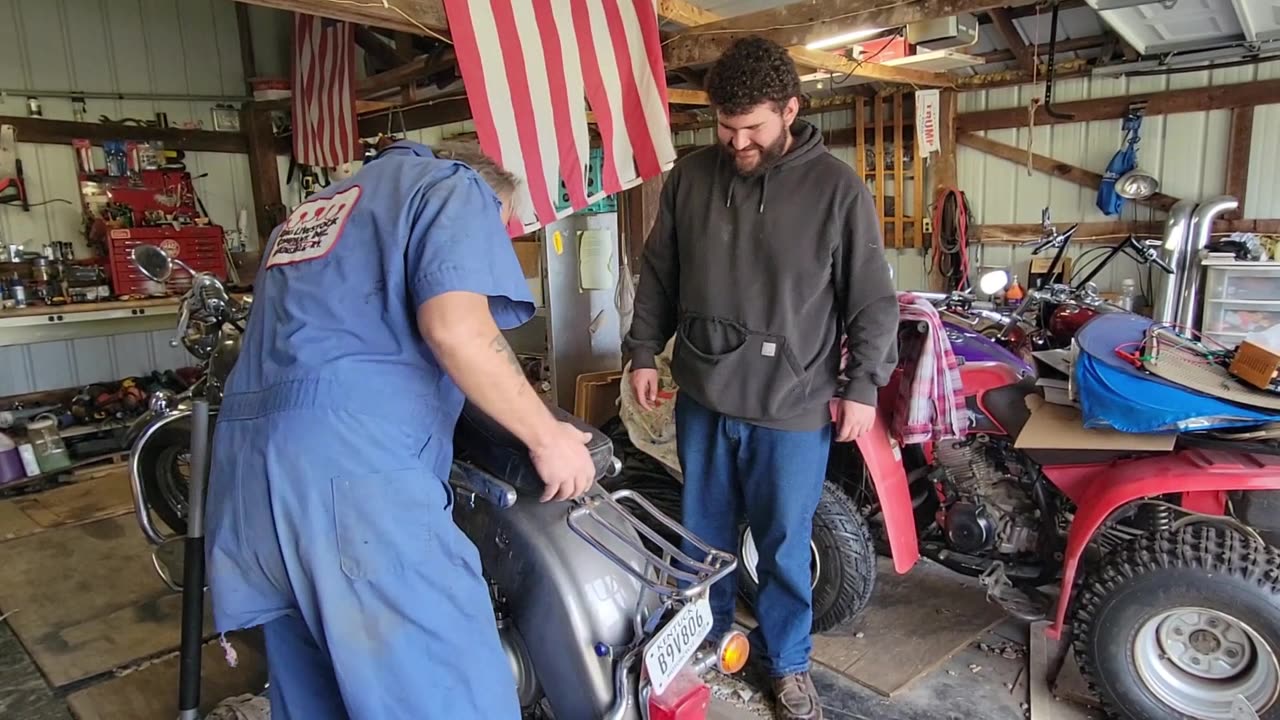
[(752, 71)]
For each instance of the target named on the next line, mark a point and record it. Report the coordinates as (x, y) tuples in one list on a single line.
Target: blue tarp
[(1115, 394)]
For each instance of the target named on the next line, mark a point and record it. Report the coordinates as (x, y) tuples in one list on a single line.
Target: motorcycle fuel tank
[(972, 346)]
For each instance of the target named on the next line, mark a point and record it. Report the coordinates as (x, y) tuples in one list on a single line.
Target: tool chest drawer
[(200, 247)]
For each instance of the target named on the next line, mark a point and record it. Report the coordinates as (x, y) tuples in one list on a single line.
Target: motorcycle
[(598, 614)]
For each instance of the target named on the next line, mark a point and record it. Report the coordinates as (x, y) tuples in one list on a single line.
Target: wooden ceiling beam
[(1022, 52), (1070, 45), (1011, 78), (1050, 166), (382, 52), (62, 132), (685, 13), (1221, 97), (680, 96), (421, 17), (800, 23)]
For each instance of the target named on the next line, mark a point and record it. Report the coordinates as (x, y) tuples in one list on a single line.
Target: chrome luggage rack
[(673, 575)]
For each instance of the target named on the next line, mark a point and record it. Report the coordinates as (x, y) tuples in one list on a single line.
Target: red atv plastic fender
[(1201, 477), (883, 459)]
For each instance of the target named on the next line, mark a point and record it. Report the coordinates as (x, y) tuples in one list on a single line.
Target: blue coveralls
[(329, 516)]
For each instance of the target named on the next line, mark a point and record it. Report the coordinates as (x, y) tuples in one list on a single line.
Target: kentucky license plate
[(675, 643)]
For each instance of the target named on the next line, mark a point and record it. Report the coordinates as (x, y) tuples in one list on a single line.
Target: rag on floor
[(930, 403), (242, 707)]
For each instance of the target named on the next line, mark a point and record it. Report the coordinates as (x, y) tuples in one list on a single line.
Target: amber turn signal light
[(733, 653)]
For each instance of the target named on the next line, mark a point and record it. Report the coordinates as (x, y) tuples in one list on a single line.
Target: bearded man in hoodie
[(766, 251)]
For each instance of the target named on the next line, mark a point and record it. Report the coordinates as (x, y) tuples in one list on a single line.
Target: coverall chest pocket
[(384, 521)]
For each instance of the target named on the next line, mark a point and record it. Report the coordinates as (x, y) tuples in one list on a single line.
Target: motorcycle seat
[(481, 441)]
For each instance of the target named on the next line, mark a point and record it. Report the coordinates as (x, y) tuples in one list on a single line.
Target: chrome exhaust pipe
[(1197, 240), (1169, 287)]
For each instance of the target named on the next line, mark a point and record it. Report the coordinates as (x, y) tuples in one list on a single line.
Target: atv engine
[(986, 506)]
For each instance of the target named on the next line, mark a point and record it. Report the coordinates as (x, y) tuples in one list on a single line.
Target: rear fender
[(1198, 476), (883, 458)]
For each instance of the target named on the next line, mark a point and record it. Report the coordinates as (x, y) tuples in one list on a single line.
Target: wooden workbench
[(44, 323), (71, 308)]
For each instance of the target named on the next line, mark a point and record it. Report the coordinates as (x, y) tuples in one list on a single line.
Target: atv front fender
[(883, 459)]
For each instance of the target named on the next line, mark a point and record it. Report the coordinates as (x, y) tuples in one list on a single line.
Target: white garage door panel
[(1153, 28)]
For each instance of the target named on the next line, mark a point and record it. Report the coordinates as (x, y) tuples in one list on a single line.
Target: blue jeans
[(774, 478)]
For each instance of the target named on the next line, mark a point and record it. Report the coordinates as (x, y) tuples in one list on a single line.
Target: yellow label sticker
[(557, 242)]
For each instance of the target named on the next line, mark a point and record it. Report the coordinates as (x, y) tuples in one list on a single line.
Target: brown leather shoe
[(796, 698)]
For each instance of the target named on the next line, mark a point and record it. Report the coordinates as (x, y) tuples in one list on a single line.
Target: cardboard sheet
[(1058, 427)]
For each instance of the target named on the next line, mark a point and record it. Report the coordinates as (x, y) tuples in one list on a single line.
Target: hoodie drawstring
[(733, 180)]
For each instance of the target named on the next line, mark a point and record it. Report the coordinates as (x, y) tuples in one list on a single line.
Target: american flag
[(532, 67), (324, 100)]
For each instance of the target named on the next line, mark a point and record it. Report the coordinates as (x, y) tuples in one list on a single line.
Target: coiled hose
[(951, 214)]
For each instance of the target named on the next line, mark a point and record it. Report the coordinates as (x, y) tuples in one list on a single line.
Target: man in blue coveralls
[(379, 306)]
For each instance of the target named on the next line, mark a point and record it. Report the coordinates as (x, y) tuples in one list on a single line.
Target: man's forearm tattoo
[(502, 347)]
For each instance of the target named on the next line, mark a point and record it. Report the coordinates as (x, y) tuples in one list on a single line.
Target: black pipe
[(1048, 82), (193, 568)]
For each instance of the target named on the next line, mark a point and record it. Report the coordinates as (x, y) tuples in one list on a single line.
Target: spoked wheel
[(165, 468), (842, 560), (1182, 624), (173, 477)]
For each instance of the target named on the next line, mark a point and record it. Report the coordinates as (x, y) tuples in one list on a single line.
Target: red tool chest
[(201, 247)]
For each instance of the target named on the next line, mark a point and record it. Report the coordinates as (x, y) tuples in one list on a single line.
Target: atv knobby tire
[(1203, 567), (846, 562)]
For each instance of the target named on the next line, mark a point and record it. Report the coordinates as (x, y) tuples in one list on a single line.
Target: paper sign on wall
[(595, 260), (928, 120)]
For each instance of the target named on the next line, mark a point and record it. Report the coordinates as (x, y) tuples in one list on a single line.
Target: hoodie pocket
[(737, 371)]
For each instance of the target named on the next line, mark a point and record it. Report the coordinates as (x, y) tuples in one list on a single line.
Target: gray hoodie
[(758, 277)]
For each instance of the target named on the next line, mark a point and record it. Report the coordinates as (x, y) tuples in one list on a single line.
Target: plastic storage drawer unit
[(1239, 298)]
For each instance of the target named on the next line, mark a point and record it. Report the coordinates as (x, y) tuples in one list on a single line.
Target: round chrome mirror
[(1137, 184), (153, 262), (993, 282)]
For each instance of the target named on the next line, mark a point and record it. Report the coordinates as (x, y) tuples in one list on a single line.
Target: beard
[(765, 156)]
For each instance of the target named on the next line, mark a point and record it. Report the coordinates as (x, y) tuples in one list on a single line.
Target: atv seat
[(479, 440)]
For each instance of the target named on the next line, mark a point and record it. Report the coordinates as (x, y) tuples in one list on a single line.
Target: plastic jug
[(10, 461), (45, 440)]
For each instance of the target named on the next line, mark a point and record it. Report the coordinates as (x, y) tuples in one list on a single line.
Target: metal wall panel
[(1186, 151), (179, 47), (72, 363)]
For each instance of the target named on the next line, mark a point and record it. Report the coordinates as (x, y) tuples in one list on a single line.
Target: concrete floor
[(975, 683)]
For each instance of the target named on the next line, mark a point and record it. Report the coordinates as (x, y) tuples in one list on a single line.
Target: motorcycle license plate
[(676, 642)]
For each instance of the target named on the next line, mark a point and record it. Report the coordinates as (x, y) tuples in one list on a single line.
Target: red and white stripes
[(532, 68), (324, 101)]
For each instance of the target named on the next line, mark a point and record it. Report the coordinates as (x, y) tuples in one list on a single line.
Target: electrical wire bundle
[(951, 212)]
